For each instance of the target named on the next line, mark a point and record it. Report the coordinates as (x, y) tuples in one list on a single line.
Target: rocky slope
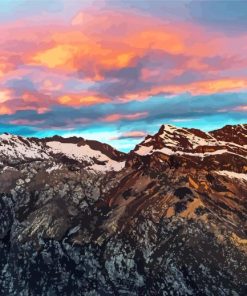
[(79, 218)]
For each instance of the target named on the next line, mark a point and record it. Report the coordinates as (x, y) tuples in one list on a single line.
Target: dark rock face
[(168, 223), (229, 133)]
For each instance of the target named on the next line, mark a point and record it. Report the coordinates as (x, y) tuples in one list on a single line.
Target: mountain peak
[(168, 128), (172, 140)]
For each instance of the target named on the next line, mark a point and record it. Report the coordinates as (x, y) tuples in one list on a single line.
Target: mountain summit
[(77, 217), (221, 149), (174, 140)]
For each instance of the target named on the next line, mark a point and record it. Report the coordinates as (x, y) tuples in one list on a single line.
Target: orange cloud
[(4, 110), (4, 67), (84, 99), (113, 39), (5, 95), (11, 102), (93, 51), (195, 88), (55, 57), (163, 39), (103, 48), (220, 85)]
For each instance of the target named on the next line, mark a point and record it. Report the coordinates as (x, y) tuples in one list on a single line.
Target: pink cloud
[(26, 122), (132, 134), (118, 116), (240, 108)]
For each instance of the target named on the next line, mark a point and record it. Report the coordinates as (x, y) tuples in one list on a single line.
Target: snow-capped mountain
[(91, 154), (172, 140), (196, 149), (77, 217), (16, 149)]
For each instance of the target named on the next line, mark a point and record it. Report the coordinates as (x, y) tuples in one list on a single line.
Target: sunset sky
[(115, 70)]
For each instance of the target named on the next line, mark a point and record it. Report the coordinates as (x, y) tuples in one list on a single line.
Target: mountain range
[(78, 217)]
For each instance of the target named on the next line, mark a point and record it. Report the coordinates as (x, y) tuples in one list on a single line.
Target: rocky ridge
[(85, 153)]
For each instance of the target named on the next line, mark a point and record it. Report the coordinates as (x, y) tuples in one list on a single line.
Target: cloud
[(82, 99), (130, 135), (80, 67), (240, 108), (26, 100), (5, 95), (5, 110), (26, 122), (182, 119), (123, 55), (140, 113), (118, 116)]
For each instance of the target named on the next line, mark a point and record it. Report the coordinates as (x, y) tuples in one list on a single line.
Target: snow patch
[(234, 175), (12, 147), (53, 168), (144, 150), (86, 153)]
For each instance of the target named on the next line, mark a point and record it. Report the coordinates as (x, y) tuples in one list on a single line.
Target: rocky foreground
[(78, 217)]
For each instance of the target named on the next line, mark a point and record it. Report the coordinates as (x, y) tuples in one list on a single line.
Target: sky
[(114, 71)]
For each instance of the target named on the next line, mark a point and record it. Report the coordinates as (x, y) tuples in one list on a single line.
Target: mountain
[(194, 148), (85, 153), (77, 217)]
